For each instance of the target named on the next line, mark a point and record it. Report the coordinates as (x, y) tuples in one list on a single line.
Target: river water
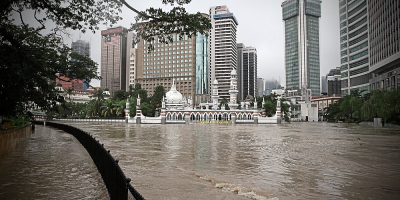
[(212, 161), (289, 161)]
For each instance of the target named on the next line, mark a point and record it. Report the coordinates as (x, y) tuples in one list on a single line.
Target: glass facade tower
[(302, 59), (201, 64), (354, 56)]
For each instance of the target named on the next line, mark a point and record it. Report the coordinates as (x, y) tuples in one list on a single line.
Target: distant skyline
[(260, 26)]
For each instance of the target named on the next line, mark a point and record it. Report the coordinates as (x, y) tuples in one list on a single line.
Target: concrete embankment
[(10, 138)]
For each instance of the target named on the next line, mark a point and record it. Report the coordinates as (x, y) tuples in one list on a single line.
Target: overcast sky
[(260, 26)]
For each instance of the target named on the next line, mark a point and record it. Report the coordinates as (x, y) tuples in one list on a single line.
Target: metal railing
[(117, 184)]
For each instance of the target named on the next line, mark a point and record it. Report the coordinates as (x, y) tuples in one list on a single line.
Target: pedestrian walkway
[(50, 164)]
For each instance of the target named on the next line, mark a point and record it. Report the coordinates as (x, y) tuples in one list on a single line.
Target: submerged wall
[(9, 139)]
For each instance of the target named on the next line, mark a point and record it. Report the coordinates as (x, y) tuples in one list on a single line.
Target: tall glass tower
[(302, 65)]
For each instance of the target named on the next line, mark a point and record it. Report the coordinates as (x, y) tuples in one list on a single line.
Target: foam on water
[(237, 189)]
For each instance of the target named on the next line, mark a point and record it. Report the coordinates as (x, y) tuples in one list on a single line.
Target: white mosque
[(176, 109)]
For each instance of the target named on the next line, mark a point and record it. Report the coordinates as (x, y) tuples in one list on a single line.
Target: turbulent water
[(291, 161), (214, 161)]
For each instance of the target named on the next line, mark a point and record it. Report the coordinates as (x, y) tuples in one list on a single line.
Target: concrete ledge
[(10, 138)]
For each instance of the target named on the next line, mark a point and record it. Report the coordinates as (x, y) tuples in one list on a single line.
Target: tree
[(270, 104), (31, 58), (119, 108), (156, 24), (107, 109), (224, 102), (97, 102), (120, 95), (159, 93), (285, 109), (147, 109)]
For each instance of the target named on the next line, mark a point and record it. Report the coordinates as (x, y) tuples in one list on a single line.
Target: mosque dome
[(233, 72), (173, 96), (215, 82)]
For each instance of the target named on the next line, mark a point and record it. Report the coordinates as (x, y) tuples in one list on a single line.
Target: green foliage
[(285, 109), (156, 24), (107, 109), (17, 121), (147, 109), (31, 58), (383, 104), (270, 104), (120, 95), (159, 93), (224, 102)]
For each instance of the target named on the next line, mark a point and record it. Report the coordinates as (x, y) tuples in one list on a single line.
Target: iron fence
[(117, 184)]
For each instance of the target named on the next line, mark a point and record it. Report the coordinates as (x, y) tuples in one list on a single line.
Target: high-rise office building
[(333, 82), (82, 47), (167, 63), (115, 59), (384, 48), (370, 56), (223, 50), (354, 46), (249, 72), (302, 58), (202, 73), (240, 47)]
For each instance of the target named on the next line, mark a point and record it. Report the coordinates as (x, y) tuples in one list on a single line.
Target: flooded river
[(289, 161)]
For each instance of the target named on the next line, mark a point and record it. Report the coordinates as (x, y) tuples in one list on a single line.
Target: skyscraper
[(333, 83), (223, 50), (115, 58), (240, 47), (354, 46), (82, 47), (370, 45), (249, 72), (202, 73), (302, 59), (384, 48)]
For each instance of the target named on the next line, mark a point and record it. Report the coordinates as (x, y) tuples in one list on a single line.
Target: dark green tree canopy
[(157, 24)]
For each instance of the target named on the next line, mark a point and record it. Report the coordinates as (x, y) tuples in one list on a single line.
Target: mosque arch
[(180, 116), (192, 117), (174, 116), (168, 116)]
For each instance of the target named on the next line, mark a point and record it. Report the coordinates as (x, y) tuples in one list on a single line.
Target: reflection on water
[(290, 161)]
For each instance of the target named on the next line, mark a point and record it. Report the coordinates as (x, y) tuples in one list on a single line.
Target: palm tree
[(119, 107), (98, 101), (107, 110)]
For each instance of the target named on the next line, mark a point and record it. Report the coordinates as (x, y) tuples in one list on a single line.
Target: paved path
[(50, 164)]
